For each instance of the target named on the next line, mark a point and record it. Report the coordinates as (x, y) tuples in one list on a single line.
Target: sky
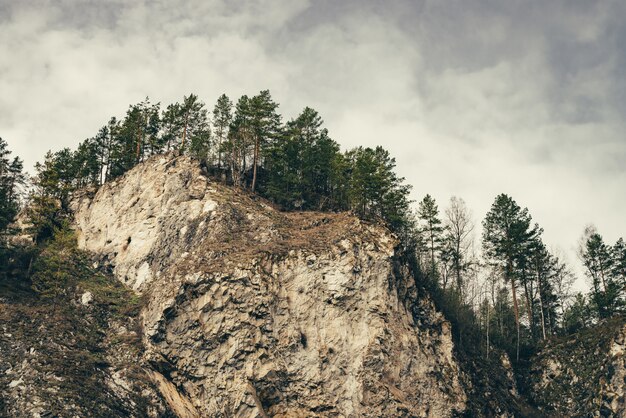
[(473, 98)]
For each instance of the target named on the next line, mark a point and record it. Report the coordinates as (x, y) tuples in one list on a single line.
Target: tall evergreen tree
[(47, 197), (431, 230), (506, 234), (171, 126), (86, 159), (598, 261), (375, 188), (618, 270), (265, 126), (300, 164), (103, 149), (222, 118), (240, 137), (128, 141), (196, 130), (545, 268), (11, 180)]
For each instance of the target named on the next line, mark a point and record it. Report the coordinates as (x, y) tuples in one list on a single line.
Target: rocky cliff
[(583, 374), (188, 298), (250, 312)]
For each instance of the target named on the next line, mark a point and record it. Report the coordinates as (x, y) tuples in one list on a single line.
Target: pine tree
[(618, 270), (506, 234), (11, 180), (154, 141), (127, 142), (545, 269), (375, 189), (45, 207), (240, 136), (299, 164), (103, 149), (222, 118), (265, 126), (598, 260), (87, 163), (171, 126), (196, 130), (431, 230)]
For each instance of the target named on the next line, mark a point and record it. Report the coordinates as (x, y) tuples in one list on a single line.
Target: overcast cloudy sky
[(472, 97)]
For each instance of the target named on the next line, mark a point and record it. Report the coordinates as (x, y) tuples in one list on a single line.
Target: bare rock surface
[(583, 374), (251, 312)]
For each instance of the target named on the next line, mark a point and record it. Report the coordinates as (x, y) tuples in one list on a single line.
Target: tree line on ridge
[(506, 290)]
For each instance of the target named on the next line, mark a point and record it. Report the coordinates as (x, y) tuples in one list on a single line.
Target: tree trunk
[(516, 311), (488, 331), (543, 320), (529, 310), (182, 147), (255, 162), (432, 253), (457, 263), (138, 150), (219, 151)]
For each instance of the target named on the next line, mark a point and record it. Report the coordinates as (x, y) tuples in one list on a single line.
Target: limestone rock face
[(585, 374), (251, 312)]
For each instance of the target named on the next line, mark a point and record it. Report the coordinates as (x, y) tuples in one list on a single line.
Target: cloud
[(473, 99)]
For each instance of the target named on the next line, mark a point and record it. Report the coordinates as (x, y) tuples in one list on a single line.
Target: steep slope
[(583, 374), (74, 349), (251, 312)]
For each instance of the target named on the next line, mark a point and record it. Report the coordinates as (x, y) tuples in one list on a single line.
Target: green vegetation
[(68, 345), (61, 269), (11, 179), (295, 165), (516, 296)]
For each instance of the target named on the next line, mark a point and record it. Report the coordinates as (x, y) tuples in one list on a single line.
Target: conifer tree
[(264, 126), (196, 130), (598, 260), (240, 136), (46, 199), (431, 230), (506, 234), (222, 118), (618, 270), (299, 164), (11, 180), (171, 126), (375, 189)]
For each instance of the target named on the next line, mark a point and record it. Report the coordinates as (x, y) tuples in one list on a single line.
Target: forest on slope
[(510, 292)]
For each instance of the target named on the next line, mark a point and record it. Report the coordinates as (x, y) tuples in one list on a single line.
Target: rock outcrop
[(73, 354), (250, 312), (583, 374)]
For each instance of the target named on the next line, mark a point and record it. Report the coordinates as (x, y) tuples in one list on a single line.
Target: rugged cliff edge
[(251, 312), (188, 298), (583, 374)]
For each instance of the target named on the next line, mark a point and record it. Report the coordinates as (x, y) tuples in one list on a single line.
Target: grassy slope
[(64, 351)]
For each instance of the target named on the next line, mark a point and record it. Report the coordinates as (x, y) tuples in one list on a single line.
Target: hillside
[(179, 296)]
